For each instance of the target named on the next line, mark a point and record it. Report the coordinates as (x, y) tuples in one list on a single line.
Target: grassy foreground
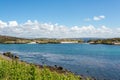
[(16, 70)]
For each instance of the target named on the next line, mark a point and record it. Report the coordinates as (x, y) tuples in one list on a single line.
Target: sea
[(99, 61)]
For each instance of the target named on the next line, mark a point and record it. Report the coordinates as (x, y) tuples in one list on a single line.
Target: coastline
[(17, 40), (55, 68)]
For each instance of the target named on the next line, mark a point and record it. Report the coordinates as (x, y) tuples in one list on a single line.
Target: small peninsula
[(110, 41)]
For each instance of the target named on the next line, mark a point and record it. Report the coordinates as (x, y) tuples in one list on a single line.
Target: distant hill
[(110, 41), (4, 38), (16, 40), (9, 39)]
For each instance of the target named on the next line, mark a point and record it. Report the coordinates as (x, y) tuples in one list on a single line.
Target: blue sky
[(64, 12), (69, 13)]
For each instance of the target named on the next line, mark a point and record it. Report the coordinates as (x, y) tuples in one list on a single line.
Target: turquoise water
[(99, 61)]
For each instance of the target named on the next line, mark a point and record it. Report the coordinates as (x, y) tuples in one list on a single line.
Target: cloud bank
[(35, 29)]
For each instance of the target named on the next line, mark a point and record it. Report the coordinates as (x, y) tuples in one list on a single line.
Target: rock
[(60, 68), (10, 55), (55, 66)]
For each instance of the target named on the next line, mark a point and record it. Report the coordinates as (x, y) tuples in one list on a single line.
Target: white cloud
[(2, 24), (34, 29), (97, 18), (102, 17), (13, 23)]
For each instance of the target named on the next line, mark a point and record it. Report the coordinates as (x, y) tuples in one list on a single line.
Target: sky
[(60, 18)]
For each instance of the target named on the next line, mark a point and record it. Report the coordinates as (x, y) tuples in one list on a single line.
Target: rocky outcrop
[(10, 55)]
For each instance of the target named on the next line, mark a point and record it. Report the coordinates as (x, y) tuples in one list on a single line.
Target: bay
[(99, 61)]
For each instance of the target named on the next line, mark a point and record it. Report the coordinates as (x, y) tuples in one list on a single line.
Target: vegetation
[(15, 40), (17, 70), (105, 41)]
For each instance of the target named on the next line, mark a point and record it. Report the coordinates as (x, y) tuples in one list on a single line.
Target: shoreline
[(17, 40), (55, 68)]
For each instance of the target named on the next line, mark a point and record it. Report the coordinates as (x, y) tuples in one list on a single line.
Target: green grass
[(16, 70)]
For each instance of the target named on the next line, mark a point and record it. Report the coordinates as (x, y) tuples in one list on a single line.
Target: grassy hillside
[(110, 41), (16, 70), (9, 39), (15, 40)]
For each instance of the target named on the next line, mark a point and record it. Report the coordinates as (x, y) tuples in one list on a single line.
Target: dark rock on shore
[(10, 55)]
